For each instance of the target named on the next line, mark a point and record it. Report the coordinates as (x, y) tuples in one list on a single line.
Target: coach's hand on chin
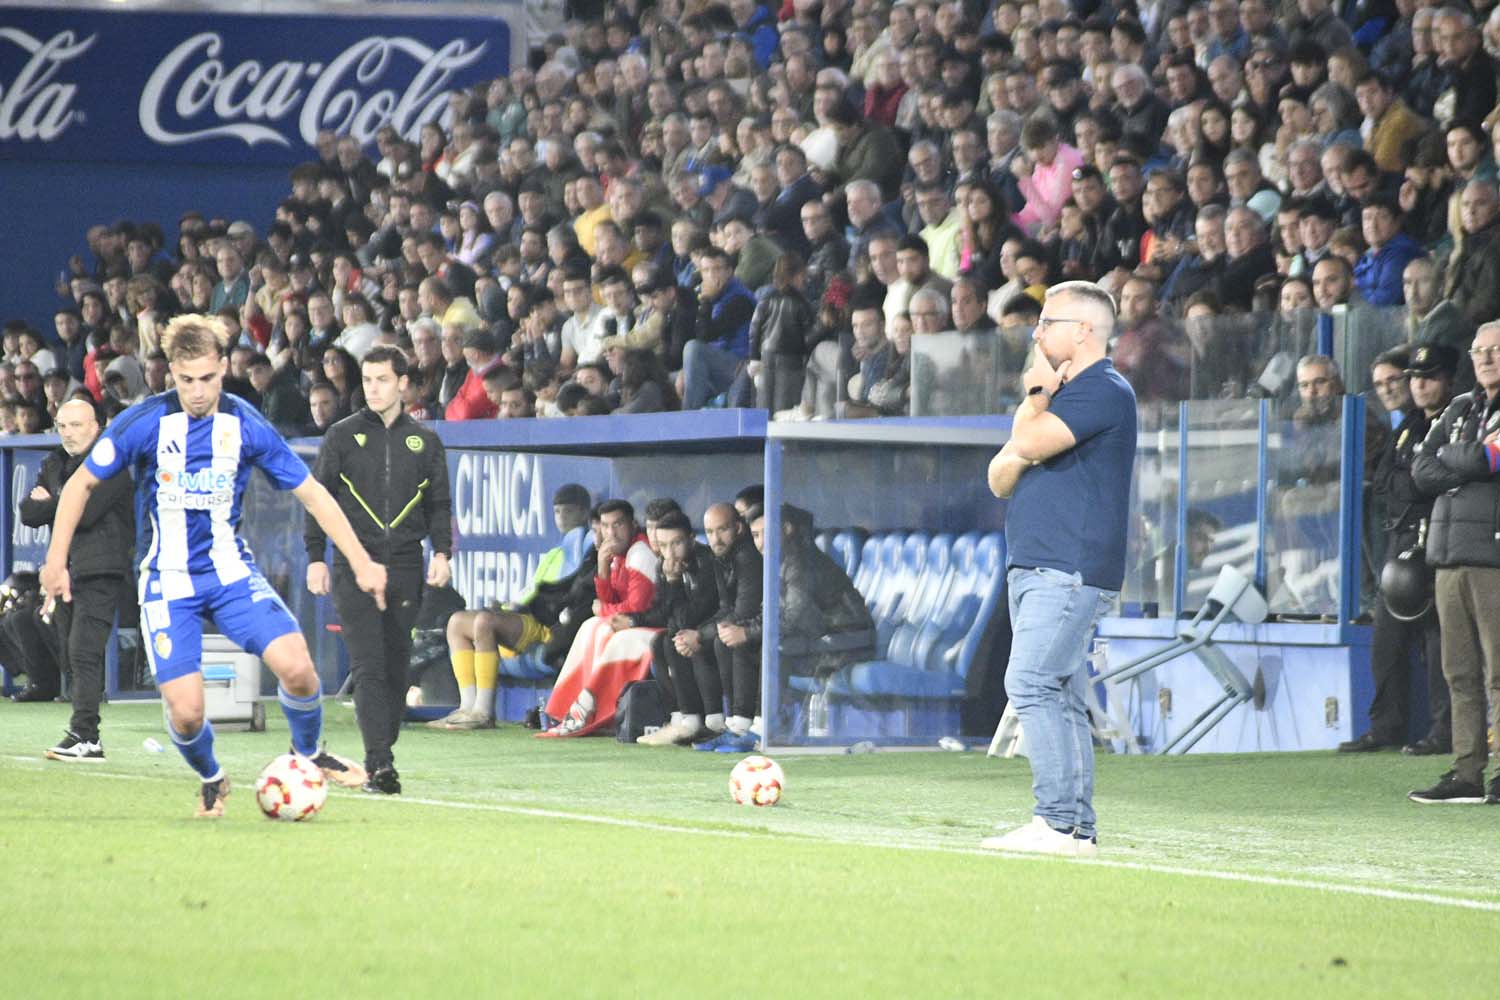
[(1041, 375)]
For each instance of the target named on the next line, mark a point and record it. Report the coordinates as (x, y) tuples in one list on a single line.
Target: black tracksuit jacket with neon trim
[(392, 484)]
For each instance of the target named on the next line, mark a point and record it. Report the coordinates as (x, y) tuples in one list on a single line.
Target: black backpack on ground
[(641, 704)]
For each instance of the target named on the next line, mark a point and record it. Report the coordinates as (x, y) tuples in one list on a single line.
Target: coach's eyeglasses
[(1047, 321), (1481, 353)]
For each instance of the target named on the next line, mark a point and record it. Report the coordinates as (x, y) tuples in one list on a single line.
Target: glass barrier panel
[(1223, 442), (271, 526), (1302, 512), (964, 374), (1150, 560), (887, 595), (1362, 334), (1156, 358), (1254, 355)]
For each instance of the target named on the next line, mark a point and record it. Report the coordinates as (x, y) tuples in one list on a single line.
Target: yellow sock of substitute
[(486, 671), (463, 672)]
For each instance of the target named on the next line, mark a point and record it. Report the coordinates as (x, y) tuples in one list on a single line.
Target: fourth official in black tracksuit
[(392, 484)]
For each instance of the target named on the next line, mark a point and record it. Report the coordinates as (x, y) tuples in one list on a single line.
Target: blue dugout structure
[(903, 506)]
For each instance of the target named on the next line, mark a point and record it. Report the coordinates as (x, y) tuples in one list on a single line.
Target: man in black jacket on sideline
[(733, 633), (1419, 388), (98, 563), (687, 596), (1459, 464), (389, 475)]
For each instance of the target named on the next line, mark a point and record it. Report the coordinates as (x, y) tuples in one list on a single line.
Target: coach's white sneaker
[(1038, 837)]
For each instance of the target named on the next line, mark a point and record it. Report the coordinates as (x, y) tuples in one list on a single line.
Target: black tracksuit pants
[(739, 674), (379, 644), (694, 680), (83, 627), (1392, 661)]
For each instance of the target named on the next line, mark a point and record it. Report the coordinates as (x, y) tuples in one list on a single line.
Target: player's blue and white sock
[(198, 751), (305, 717)]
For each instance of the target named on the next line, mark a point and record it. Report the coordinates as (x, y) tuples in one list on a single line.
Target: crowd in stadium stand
[(689, 205)]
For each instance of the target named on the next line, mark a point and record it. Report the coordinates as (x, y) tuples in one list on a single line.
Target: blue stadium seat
[(845, 550), (823, 540), (890, 609), (528, 665), (888, 576), (869, 567), (937, 576), (945, 645)]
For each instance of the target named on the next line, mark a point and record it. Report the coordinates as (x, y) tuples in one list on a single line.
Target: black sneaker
[(213, 794), (1492, 792), (1450, 791), (383, 781), (1368, 743), (1427, 747), (73, 748), (339, 770)]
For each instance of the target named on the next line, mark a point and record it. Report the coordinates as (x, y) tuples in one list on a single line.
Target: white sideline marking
[(1370, 892)]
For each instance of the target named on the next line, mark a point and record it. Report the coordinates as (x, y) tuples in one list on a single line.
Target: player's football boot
[(211, 798), (340, 770), (738, 742), (469, 720), (446, 721)]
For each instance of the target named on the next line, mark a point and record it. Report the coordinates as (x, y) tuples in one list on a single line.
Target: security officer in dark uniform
[(98, 563), (1430, 373), (389, 474)]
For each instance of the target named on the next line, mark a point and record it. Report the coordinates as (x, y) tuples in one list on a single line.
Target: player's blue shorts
[(247, 611)]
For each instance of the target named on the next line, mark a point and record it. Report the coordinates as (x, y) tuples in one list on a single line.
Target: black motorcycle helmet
[(1406, 585)]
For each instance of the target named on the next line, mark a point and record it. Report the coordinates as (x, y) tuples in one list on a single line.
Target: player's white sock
[(689, 724), (676, 720), (714, 721), (737, 724), (586, 703), (467, 698), (756, 725)]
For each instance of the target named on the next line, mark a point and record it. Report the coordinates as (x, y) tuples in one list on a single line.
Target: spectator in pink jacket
[(1044, 171)]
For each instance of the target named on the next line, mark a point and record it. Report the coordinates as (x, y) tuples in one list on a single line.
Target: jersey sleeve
[(269, 451), (127, 438)]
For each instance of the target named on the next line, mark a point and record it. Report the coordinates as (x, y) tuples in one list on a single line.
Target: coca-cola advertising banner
[(96, 83)]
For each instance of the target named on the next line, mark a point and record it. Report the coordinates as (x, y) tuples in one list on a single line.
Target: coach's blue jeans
[(1052, 616)]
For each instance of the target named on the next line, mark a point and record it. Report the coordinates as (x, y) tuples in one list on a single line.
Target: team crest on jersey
[(163, 644), (221, 443), (414, 443), (359, 439)]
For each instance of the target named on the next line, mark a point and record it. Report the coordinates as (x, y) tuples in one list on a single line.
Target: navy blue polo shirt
[(1071, 512)]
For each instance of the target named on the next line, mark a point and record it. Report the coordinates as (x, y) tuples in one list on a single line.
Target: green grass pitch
[(583, 868)]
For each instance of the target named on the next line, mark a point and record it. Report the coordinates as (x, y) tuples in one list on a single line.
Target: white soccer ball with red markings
[(291, 788), (757, 781)]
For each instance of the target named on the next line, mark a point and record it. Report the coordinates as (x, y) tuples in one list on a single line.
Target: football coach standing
[(1066, 470), (389, 474)]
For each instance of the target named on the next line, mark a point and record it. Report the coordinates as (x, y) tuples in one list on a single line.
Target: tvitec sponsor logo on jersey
[(205, 489)]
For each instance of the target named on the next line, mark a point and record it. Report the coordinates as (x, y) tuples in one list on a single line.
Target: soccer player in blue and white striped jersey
[(192, 450)]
